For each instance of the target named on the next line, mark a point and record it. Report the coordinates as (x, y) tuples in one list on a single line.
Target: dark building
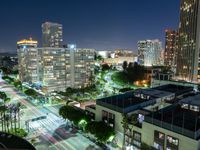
[(170, 53), (52, 34)]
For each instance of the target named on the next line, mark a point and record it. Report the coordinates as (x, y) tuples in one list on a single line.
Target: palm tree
[(125, 127), (4, 117), (133, 121), (15, 117), (18, 112), (11, 116), (3, 95), (7, 119), (2, 111)]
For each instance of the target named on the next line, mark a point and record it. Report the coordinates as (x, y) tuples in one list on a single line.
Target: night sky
[(99, 24)]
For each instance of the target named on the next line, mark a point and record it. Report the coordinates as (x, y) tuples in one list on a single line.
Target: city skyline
[(105, 25), (100, 75)]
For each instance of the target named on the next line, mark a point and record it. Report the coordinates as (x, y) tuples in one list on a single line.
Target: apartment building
[(55, 68)]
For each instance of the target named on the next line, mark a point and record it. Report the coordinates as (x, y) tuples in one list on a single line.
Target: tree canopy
[(100, 130), (72, 114), (31, 92), (133, 71)]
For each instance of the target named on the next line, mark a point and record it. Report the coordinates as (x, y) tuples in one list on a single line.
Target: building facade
[(189, 41), (56, 68), (27, 60), (150, 53), (52, 34), (153, 110), (170, 53)]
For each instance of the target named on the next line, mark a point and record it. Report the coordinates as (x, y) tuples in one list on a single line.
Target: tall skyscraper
[(188, 60), (52, 34), (170, 53), (149, 52), (27, 60)]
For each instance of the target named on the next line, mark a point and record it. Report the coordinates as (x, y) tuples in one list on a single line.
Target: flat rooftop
[(191, 100), (176, 119), (154, 93), (173, 88), (125, 103)]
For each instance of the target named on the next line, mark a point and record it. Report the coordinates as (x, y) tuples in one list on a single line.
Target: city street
[(50, 131)]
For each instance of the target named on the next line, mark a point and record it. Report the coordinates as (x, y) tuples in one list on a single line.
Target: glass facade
[(188, 66)]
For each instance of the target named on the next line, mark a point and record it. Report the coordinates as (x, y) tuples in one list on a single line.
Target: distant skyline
[(99, 24)]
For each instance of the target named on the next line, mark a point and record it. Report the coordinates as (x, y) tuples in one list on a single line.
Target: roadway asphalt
[(52, 133)]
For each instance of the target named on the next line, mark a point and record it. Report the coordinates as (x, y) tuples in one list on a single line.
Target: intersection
[(51, 132)]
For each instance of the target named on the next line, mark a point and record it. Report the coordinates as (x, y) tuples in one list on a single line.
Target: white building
[(55, 68), (150, 52)]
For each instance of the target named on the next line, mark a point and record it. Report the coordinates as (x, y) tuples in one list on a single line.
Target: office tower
[(170, 53), (149, 52), (27, 60), (189, 41), (52, 34)]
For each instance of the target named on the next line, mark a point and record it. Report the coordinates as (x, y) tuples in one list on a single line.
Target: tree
[(8, 114), (135, 72), (100, 130), (134, 119), (18, 112), (105, 67), (31, 92), (3, 95), (125, 126), (72, 114), (18, 85), (2, 112), (8, 79), (125, 65)]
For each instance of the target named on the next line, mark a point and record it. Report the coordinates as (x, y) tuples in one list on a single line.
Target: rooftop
[(27, 41), (125, 103), (176, 119), (154, 93), (173, 88), (192, 100)]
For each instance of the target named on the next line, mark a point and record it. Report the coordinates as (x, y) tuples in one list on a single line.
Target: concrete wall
[(185, 143), (118, 119)]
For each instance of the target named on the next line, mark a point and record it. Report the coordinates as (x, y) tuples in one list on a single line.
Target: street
[(51, 131)]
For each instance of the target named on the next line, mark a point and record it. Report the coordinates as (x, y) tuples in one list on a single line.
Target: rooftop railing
[(174, 128)]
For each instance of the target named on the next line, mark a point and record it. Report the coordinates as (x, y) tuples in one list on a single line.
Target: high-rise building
[(27, 60), (52, 34), (55, 68), (52, 68), (170, 52), (188, 62), (149, 52)]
